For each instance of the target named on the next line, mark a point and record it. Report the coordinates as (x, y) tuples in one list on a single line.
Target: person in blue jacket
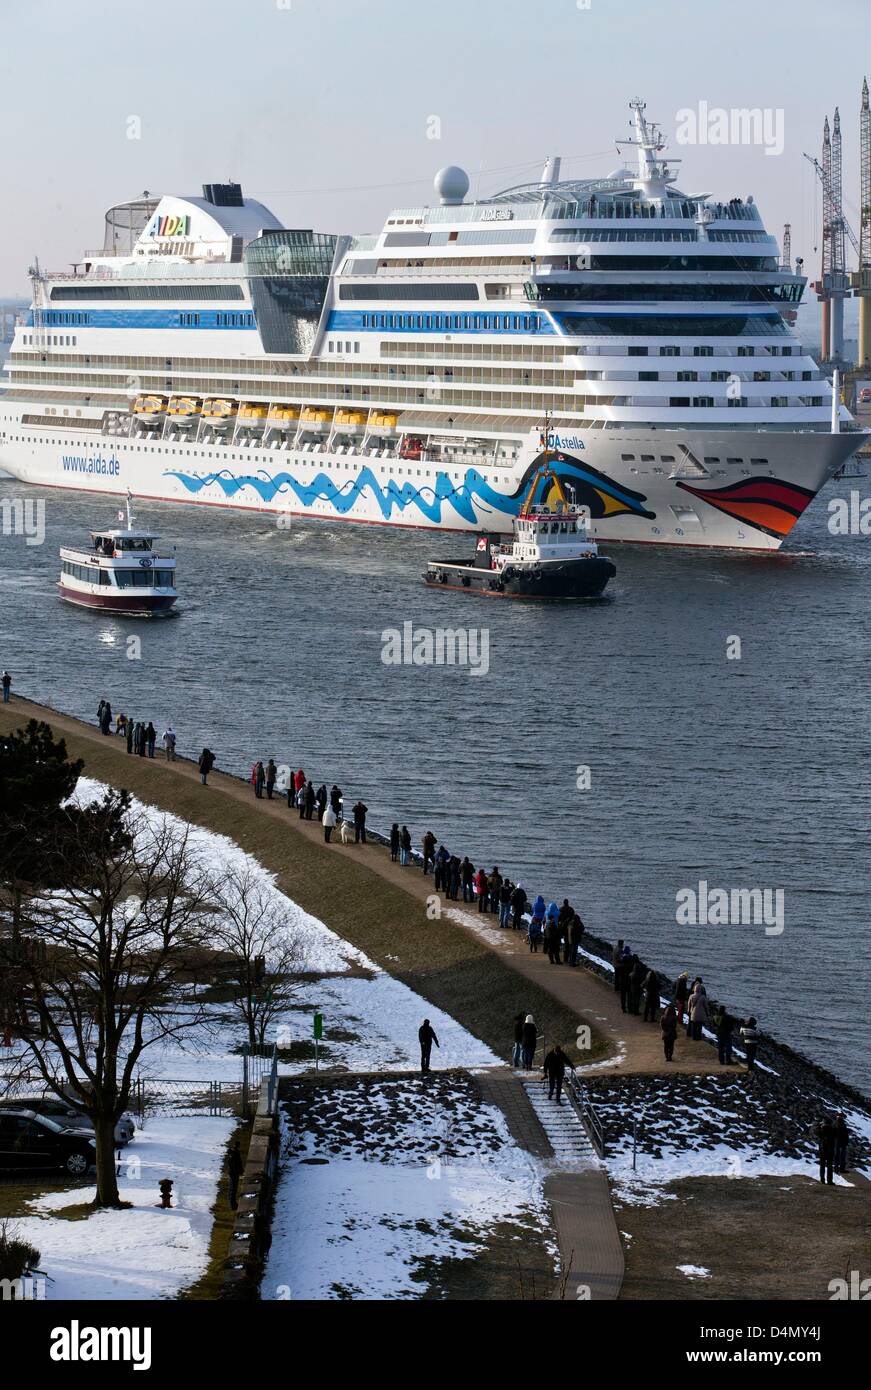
[(536, 925)]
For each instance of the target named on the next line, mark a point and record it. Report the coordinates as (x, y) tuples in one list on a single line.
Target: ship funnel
[(836, 402), (550, 172)]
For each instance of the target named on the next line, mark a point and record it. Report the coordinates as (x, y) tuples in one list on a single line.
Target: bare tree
[(103, 963), (264, 951)]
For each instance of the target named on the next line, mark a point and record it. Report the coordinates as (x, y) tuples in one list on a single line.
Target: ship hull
[(117, 604), (553, 579), (748, 496)]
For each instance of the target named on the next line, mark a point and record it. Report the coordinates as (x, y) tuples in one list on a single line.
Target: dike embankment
[(460, 960)]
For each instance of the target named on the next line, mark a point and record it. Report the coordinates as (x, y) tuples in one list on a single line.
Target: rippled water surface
[(745, 773)]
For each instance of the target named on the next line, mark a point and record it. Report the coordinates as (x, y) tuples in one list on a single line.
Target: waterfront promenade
[(382, 908)]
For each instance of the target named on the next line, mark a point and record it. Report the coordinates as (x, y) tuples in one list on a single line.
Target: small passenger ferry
[(120, 571)]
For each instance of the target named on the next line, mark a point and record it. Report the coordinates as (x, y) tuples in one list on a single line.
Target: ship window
[(666, 458), (647, 458), (762, 462), (711, 460), (628, 458)]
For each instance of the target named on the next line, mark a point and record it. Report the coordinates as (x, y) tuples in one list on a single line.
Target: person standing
[(235, 1168), (621, 979), (404, 846), (141, 749), (429, 843), (130, 735), (206, 763), (723, 1026), (518, 906), (329, 823), (258, 778), (681, 994), (358, 811), (529, 1040), (554, 1069), (668, 1030), (6, 681), (566, 913), (467, 878), (842, 1140), (700, 1011), (321, 801), (394, 842), (100, 715), (551, 940), (310, 800), (826, 1139), (427, 1037), (271, 775), (168, 742), (517, 1058), (750, 1039), (482, 888), (636, 980), (651, 996), (576, 933), (454, 877), (336, 799), (150, 738), (616, 958), (505, 891), (495, 889)]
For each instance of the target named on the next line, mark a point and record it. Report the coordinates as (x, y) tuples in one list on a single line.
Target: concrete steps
[(562, 1125)]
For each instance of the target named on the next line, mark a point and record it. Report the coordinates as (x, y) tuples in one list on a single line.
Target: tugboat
[(551, 555), (121, 572)]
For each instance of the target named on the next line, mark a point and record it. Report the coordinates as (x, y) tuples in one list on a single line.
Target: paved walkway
[(635, 1047), (576, 1189)]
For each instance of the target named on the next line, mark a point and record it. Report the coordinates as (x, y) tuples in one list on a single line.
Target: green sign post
[(318, 1031)]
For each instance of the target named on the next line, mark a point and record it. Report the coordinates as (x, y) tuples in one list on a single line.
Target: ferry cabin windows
[(143, 579), (86, 574)]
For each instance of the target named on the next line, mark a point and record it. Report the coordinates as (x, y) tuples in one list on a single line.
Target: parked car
[(865, 395), (34, 1141), (65, 1114)]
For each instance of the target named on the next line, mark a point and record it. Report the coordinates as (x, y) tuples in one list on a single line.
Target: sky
[(326, 109)]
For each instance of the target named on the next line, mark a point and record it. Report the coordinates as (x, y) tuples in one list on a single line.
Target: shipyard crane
[(861, 279), (834, 203), (833, 287)]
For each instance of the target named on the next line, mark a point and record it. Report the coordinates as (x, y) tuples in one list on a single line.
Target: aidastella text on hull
[(206, 354)]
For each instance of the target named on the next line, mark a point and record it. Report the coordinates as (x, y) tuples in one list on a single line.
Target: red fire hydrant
[(165, 1186)]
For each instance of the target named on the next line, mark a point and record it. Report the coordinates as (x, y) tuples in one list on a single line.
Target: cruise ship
[(207, 354)]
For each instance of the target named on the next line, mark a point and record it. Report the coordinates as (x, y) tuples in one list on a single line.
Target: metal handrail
[(588, 1115)]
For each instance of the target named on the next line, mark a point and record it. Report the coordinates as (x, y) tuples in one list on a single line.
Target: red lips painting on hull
[(768, 504)]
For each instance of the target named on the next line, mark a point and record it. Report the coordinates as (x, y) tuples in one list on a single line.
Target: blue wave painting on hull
[(474, 491)]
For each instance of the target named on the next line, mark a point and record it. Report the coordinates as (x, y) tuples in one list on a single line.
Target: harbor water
[(720, 703)]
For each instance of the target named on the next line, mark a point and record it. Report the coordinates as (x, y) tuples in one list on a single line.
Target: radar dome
[(622, 174), (451, 184)]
